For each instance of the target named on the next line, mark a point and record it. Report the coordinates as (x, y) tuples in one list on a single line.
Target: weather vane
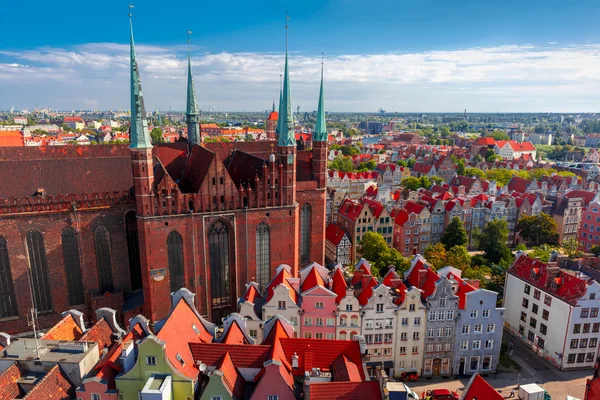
[(189, 34), (129, 7)]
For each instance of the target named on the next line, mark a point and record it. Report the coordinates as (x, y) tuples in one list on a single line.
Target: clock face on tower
[(290, 159)]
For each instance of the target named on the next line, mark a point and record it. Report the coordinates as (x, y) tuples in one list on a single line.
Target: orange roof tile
[(345, 391), (313, 278), (234, 335), (9, 389), (65, 329), (99, 333), (338, 285), (344, 370), (231, 376), (281, 279), (11, 138), (52, 386)]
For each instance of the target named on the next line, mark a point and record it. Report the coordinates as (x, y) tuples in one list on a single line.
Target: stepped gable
[(318, 353), (563, 285), (64, 170), (242, 356), (344, 370), (66, 329), (9, 388), (231, 376), (345, 391)]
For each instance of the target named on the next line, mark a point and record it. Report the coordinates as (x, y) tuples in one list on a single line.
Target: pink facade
[(273, 383), (96, 387), (589, 228), (318, 313)]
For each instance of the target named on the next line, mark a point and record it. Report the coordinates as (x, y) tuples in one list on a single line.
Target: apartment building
[(589, 229), (410, 334)]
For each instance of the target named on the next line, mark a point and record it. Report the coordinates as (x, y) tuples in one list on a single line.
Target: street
[(534, 369)]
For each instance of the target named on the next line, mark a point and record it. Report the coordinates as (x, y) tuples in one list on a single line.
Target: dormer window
[(532, 274), (180, 359), (553, 284)]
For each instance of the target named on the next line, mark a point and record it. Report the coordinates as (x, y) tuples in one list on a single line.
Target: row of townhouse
[(431, 324), (554, 311)]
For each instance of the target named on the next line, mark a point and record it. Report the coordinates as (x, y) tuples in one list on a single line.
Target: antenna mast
[(33, 311)]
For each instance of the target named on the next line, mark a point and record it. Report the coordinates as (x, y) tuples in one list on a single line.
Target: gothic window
[(175, 250), (40, 281), (305, 228), (263, 255), (70, 249), (103, 259), (218, 241), (133, 250), (8, 302)]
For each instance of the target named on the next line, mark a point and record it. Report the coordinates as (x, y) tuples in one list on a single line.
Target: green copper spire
[(286, 115), (278, 129), (138, 132), (320, 132), (191, 114)]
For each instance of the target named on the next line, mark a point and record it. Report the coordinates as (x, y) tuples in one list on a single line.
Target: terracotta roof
[(400, 217), (338, 285), (242, 356), (485, 141), (313, 278), (583, 194), (422, 168), (461, 291), (72, 119), (231, 376), (479, 389), (99, 333), (11, 138), (281, 279), (427, 285), (234, 335), (345, 391), (178, 333), (518, 184), (65, 329), (273, 116), (350, 209), (412, 207), (592, 391), (367, 291), (334, 233), (523, 146), (375, 207), (319, 353), (52, 386), (9, 388), (252, 294), (344, 370), (569, 288)]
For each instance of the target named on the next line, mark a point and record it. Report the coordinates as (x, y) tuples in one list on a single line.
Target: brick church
[(83, 227)]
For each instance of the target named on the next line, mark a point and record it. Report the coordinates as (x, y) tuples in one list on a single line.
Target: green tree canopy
[(375, 249), (490, 156), (411, 183), (455, 234), (425, 182), (571, 247), (595, 250), (156, 136), (342, 163), (435, 254), (542, 252), (460, 167), (538, 229), (458, 257), (474, 172), (492, 241)]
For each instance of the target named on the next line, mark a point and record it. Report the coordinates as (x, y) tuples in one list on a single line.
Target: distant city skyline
[(421, 57)]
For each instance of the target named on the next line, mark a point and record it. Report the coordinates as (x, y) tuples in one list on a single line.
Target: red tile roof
[(422, 168), (313, 278), (339, 285), (344, 370), (592, 389), (52, 386), (334, 233), (277, 332), (367, 291), (9, 389), (234, 335), (345, 391), (413, 207), (282, 279), (252, 294), (273, 116), (479, 389), (375, 207), (350, 209), (518, 184), (569, 288), (583, 194), (99, 333), (401, 216), (65, 329), (11, 138), (523, 146), (319, 353), (428, 283), (72, 119), (178, 334), (242, 356), (231, 376), (485, 141), (462, 289)]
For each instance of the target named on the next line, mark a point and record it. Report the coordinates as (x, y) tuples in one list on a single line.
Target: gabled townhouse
[(554, 312), (282, 297), (348, 324), (382, 222), (338, 247), (442, 308), (510, 149), (472, 186), (423, 169), (589, 228), (479, 325), (356, 220), (318, 304), (567, 215), (353, 184), (391, 174), (445, 167), (250, 306)]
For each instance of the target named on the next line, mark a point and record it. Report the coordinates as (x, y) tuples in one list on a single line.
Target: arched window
[(175, 252), (8, 301), (263, 255), (343, 320), (103, 259), (305, 228), (70, 248), (40, 281), (133, 250), (342, 335), (218, 242), (354, 321)]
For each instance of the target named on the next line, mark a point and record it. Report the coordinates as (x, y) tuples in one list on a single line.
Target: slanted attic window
[(195, 329), (553, 284), (180, 359), (40, 192), (532, 274)]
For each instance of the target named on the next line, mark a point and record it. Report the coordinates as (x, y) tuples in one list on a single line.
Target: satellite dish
[(202, 367)]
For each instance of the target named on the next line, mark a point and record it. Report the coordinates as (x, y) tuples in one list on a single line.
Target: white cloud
[(502, 78)]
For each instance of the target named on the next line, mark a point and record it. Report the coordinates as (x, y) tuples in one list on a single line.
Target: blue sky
[(400, 55)]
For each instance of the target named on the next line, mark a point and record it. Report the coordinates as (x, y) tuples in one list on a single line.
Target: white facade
[(348, 322), (410, 333)]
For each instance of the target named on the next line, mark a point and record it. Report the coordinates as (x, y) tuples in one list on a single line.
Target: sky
[(399, 55)]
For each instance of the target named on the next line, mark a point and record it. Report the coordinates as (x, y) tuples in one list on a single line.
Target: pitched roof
[(462, 289), (9, 388), (367, 291), (11, 138), (422, 168), (344, 370), (375, 207), (313, 278), (338, 285), (522, 146), (100, 333), (334, 233), (518, 184), (582, 194), (569, 288), (234, 335), (350, 209), (281, 279), (412, 207), (66, 329), (231, 376), (485, 141), (427, 285), (178, 333), (242, 356), (345, 391), (53, 385), (478, 389)]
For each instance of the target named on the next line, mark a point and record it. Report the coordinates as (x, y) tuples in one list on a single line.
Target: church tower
[(320, 142), (271, 124), (286, 141), (192, 117)]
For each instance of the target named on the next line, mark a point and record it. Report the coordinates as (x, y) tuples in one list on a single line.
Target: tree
[(455, 234), (500, 175), (595, 250), (437, 180), (374, 248), (474, 172), (480, 272), (571, 247), (477, 159), (411, 183), (499, 135), (490, 156), (460, 167), (156, 136), (411, 162), (444, 131), (521, 247), (436, 254), (458, 257), (492, 241), (538, 229), (342, 163), (542, 252), (425, 182)]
